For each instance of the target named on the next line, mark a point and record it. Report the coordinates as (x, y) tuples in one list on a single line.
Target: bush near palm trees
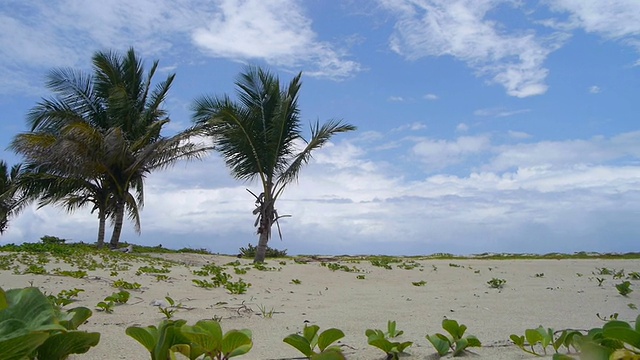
[(95, 140), (10, 198), (259, 136)]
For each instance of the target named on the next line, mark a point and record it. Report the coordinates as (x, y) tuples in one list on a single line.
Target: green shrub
[(250, 252)]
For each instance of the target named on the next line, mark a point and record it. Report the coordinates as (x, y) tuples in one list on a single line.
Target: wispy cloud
[(498, 112), (431, 97), (415, 126), (439, 154), (395, 99), (275, 31), (594, 89), (463, 29)]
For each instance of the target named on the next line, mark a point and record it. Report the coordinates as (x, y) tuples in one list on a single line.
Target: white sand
[(560, 299)]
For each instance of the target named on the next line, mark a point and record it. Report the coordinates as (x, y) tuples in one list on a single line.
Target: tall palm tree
[(260, 137), (98, 137), (10, 199)]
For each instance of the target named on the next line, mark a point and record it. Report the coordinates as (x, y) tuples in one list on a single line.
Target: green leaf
[(328, 337), (206, 333), (75, 317), (19, 347), (562, 357), (532, 336), (146, 336), (236, 343), (299, 342), (3, 300), (473, 341), (517, 340), (402, 346), (441, 346), (460, 346), (311, 334), (560, 340), (624, 334), (59, 346), (328, 355), (452, 327)]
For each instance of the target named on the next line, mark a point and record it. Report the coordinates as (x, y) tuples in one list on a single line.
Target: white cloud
[(277, 31), (415, 126), (395, 99), (431, 97), (438, 154), (614, 19), (345, 202), (462, 29), (518, 134), (594, 89), (462, 127), (499, 112), (67, 32)]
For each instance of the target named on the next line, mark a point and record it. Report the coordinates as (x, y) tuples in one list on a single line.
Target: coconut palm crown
[(260, 137)]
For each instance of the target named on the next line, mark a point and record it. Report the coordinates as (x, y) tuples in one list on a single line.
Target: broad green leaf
[(441, 346), (59, 346), (562, 357), (545, 337), (517, 340), (382, 344), (473, 341), (3, 300), (75, 317), (624, 334), (533, 336), (328, 337), (168, 335), (453, 328), (402, 346), (638, 323), (560, 340), (592, 351), (147, 336), (299, 342), (32, 307), (207, 336), (236, 343), (460, 346), (328, 355), (311, 334), (19, 347)]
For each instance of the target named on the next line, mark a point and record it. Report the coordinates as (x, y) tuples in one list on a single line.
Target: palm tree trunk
[(266, 220), (117, 226), (101, 228)]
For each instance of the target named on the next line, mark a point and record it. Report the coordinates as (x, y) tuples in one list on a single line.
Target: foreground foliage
[(31, 327)]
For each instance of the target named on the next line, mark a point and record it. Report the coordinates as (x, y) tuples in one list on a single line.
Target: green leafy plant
[(377, 338), (207, 338), (250, 252), (600, 281), (78, 274), (267, 314), (496, 283), (360, 277), (539, 275), (64, 297), (419, 283), (203, 283), (542, 338), (634, 275), (121, 284), (392, 331), (624, 288), (456, 341), (310, 339), (106, 306), (121, 297), (238, 287), (296, 281), (31, 327)]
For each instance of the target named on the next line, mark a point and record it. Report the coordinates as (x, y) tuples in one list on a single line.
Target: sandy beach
[(553, 293)]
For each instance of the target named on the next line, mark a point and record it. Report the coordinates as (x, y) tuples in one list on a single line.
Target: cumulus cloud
[(463, 29), (66, 33), (524, 200), (438, 154)]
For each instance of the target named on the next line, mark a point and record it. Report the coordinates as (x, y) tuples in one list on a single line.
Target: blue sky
[(484, 125)]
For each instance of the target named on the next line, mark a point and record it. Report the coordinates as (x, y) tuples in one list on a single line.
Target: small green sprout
[(310, 339), (624, 288), (419, 283), (456, 341), (496, 283), (296, 281), (377, 338), (360, 277)]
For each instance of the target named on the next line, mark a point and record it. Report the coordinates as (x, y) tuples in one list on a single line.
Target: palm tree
[(96, 140), (260, 137), (10, 200)]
